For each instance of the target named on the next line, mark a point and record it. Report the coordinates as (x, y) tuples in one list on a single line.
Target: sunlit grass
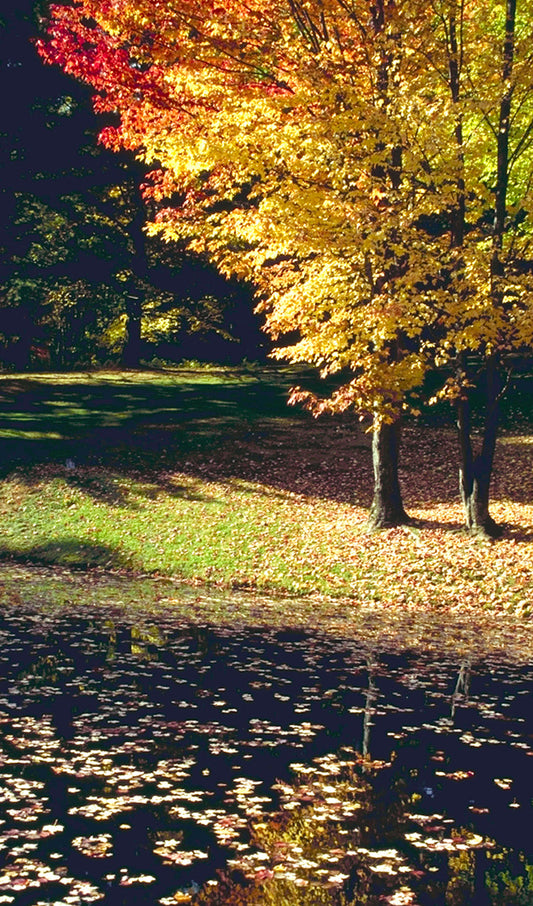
[(21, 434), (229, 533), (226, 486), (235, 533)]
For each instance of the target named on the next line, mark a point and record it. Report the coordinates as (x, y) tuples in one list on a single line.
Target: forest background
[(77, 268)]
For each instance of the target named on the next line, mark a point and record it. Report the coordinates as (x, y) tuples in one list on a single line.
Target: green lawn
[(206, 476), (106, 413)]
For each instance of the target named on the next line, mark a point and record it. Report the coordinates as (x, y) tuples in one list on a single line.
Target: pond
[(159, 759)]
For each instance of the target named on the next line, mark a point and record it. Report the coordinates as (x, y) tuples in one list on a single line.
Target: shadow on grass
[(146, 420), (112, 489), (37, 409), (67, 552), (219, 430), (232, 427), (103, 488)]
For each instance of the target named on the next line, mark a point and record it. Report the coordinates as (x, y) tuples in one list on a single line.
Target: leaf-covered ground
[(164, 741), (214, 481)]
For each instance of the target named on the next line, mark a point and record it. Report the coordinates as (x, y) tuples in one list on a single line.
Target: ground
[(207, 477)]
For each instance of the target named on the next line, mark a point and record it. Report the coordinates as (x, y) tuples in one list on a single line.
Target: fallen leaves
[(262, 511)]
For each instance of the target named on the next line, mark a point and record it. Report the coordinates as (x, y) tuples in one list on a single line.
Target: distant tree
[(77, 271)]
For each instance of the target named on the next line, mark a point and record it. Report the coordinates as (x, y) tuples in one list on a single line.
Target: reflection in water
[(462, 686), (164, 763), (370, 698)]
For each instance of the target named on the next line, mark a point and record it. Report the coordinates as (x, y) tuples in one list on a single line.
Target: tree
[(264, 211), (485, 61), (330, 154), (74, 254)]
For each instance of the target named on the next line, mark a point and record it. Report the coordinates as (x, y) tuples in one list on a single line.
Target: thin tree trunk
[(387, 507), (476, 470), (131, 352)]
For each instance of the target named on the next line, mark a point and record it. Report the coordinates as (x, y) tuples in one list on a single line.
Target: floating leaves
[(447, 844), (171, 851), (505, 783), (97, 846), (168, 754)]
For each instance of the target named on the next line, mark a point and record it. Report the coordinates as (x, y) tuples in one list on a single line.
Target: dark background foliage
[(80, 283)]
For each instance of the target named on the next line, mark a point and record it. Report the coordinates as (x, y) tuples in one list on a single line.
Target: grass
[(206, 476)]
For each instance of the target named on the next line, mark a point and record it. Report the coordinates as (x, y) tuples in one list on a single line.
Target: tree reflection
[(462, 686), (370, 700), (345, 835)]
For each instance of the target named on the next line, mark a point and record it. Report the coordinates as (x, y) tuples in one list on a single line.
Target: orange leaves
[(264, 118), (292, 135)]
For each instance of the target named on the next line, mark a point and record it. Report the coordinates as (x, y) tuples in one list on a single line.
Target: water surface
[(154, 760)]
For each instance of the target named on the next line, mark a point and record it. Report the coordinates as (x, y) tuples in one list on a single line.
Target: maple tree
[(491, 226), (357, 163)]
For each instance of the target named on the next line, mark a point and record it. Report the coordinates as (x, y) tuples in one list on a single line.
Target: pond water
[(154, 761)]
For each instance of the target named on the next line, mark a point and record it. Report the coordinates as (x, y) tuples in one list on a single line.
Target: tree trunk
[(476, 470), (131, 353), (474, 488), (387, 507)]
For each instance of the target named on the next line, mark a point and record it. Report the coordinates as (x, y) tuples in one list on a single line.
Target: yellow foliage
[(322, 157)]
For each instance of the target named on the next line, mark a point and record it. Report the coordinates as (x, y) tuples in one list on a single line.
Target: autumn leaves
[(367, 172)]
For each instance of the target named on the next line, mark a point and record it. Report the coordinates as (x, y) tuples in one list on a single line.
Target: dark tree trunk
[(18, 353), (387, 507), (131, 352), (476, 469)]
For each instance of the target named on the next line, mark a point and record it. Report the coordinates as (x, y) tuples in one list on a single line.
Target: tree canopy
[(313, 147), (74, 256), (366, 166)]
